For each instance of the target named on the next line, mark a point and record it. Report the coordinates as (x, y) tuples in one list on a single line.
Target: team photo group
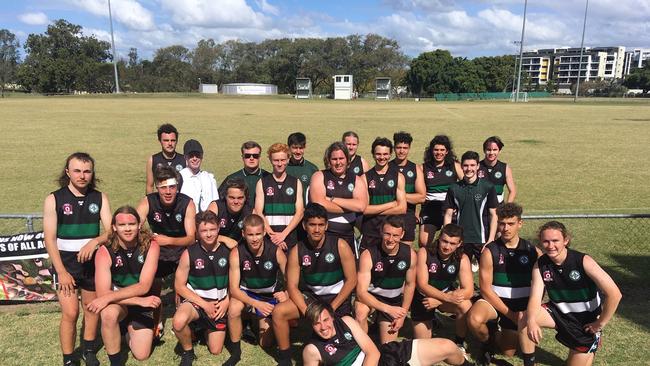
[(342, 259)]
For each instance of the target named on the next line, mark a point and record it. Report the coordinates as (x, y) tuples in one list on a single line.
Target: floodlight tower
[(582, 48), (117, 82)]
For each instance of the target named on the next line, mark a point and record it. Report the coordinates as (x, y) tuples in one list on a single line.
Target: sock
[(189, 351), (529, 359), (68, 359), (115, 359), (235, 354), (467, 363), (460, 341), (284, 357), (90, 346)]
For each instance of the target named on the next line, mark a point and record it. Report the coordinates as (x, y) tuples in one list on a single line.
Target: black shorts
[(384, 317), (431, 213), (166, 268), (395, 353), (473, 250), (418, 312), (343, 310), (571, 333), (83, 273), (410, 224), (207, 323), (505, 322), (139, 317)]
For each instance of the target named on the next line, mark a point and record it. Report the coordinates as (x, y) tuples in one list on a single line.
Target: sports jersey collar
[(256, 172), (293, 162)]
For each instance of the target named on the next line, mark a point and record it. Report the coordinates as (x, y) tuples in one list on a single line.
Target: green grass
[(566, 158)]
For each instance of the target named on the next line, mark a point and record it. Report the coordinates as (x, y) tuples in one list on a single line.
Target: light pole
[(521, 50), (582, 47), (117, 81), (514, 70)]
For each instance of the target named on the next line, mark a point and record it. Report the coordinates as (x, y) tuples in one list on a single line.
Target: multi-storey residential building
[(634, 59)]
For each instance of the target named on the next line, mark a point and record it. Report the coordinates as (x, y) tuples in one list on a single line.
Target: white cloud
[(38, 18), (127, 12), (214, 13), (267, 8)]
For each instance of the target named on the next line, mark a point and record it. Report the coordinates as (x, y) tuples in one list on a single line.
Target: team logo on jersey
[(371, 184), (179, 167), (410, 174), (379, 267), (501, 259), (268, 265), (547, 276), (401, 265), (430, 174), (351, 187), (157, 217), (451, 269), (289, 191), (433, 268), (199, 264), (523, 259), (330, 349), (179, 217), (304, 178), (329, 257), (478, 197), (93, 208), (356, 170), (118, 261), (67, 209), (211, 257), (498, 175), (141, 259), (347, 336), (222, 262), (247, 265), (449, 173), (306, 260), (574, 275), (222, 222), (330, 185), (269, 191), (481, 174), (391, 183), (129, 255)]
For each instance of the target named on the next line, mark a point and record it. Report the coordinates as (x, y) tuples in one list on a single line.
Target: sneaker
[(159, 332), (90, 358), (187, 358), (485, 357), (474, 266)]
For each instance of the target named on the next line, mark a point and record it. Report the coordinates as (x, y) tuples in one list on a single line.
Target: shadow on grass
[(632, 275)]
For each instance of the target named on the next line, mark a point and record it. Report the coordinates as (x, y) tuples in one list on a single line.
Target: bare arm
[(149, 188), (143, 209), (608, 287), (363, 282), (510, 183), (49, 232), (349, 272), (180, 282), (190, 231), (86, 252), (465, 277), (420, 193), (318, 195), (364, 342), (534, 305), (400, 198), (234, 279), (409, 285), (359, 199), (459, 171), (293, 278), (449, 213), (311, 356), (422, 278), (485, 284)]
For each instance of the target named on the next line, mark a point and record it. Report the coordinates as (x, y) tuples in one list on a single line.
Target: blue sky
[(467, 28)]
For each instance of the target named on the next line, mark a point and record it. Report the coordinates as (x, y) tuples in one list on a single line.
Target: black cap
[(192, 146)]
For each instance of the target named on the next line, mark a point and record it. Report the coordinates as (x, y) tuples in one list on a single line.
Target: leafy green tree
[(172, 68), (428, 73), (8, 59), (639, 79)]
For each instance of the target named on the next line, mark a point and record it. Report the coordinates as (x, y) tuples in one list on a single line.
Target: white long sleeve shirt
[(201, 187)]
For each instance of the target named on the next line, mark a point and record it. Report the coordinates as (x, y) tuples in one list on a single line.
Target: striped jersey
[(410, 173), (388, 273), (77, 218), (495, 174), (280, 201), (443, 274), (126, 266), (208, 276), (340, 187), (259, 274), (168, 221), (321, 270), (569, 288), (438, 179), (382, 188), (341, 349), (512, 272)]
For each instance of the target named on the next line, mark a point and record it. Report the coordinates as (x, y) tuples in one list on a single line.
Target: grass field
[(566, 158)]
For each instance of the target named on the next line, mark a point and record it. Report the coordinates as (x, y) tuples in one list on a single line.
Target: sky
[(467, 28)]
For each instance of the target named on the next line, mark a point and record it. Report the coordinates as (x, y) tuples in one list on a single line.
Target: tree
[(171, 66), (63, 60), (639, 79), (429, 74), (8, 59)]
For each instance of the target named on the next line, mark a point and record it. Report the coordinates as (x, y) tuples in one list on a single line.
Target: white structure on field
[(303, 88), (343, 87), (249, 89), (382, 88), (208, 88)]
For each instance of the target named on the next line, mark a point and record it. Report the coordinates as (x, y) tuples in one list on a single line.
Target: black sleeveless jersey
[(208, 275), (340, 224), (321, 271), (388, 273), (279, 201), (382, 188), (340, 350), (495, 174), (410, 173), (443, 274), (231, 224), (158, 160), (511, 272), (259, 274), (168, 221), (569, 288), (126, 266), (77, 218), (438, 180), (356, 166)]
